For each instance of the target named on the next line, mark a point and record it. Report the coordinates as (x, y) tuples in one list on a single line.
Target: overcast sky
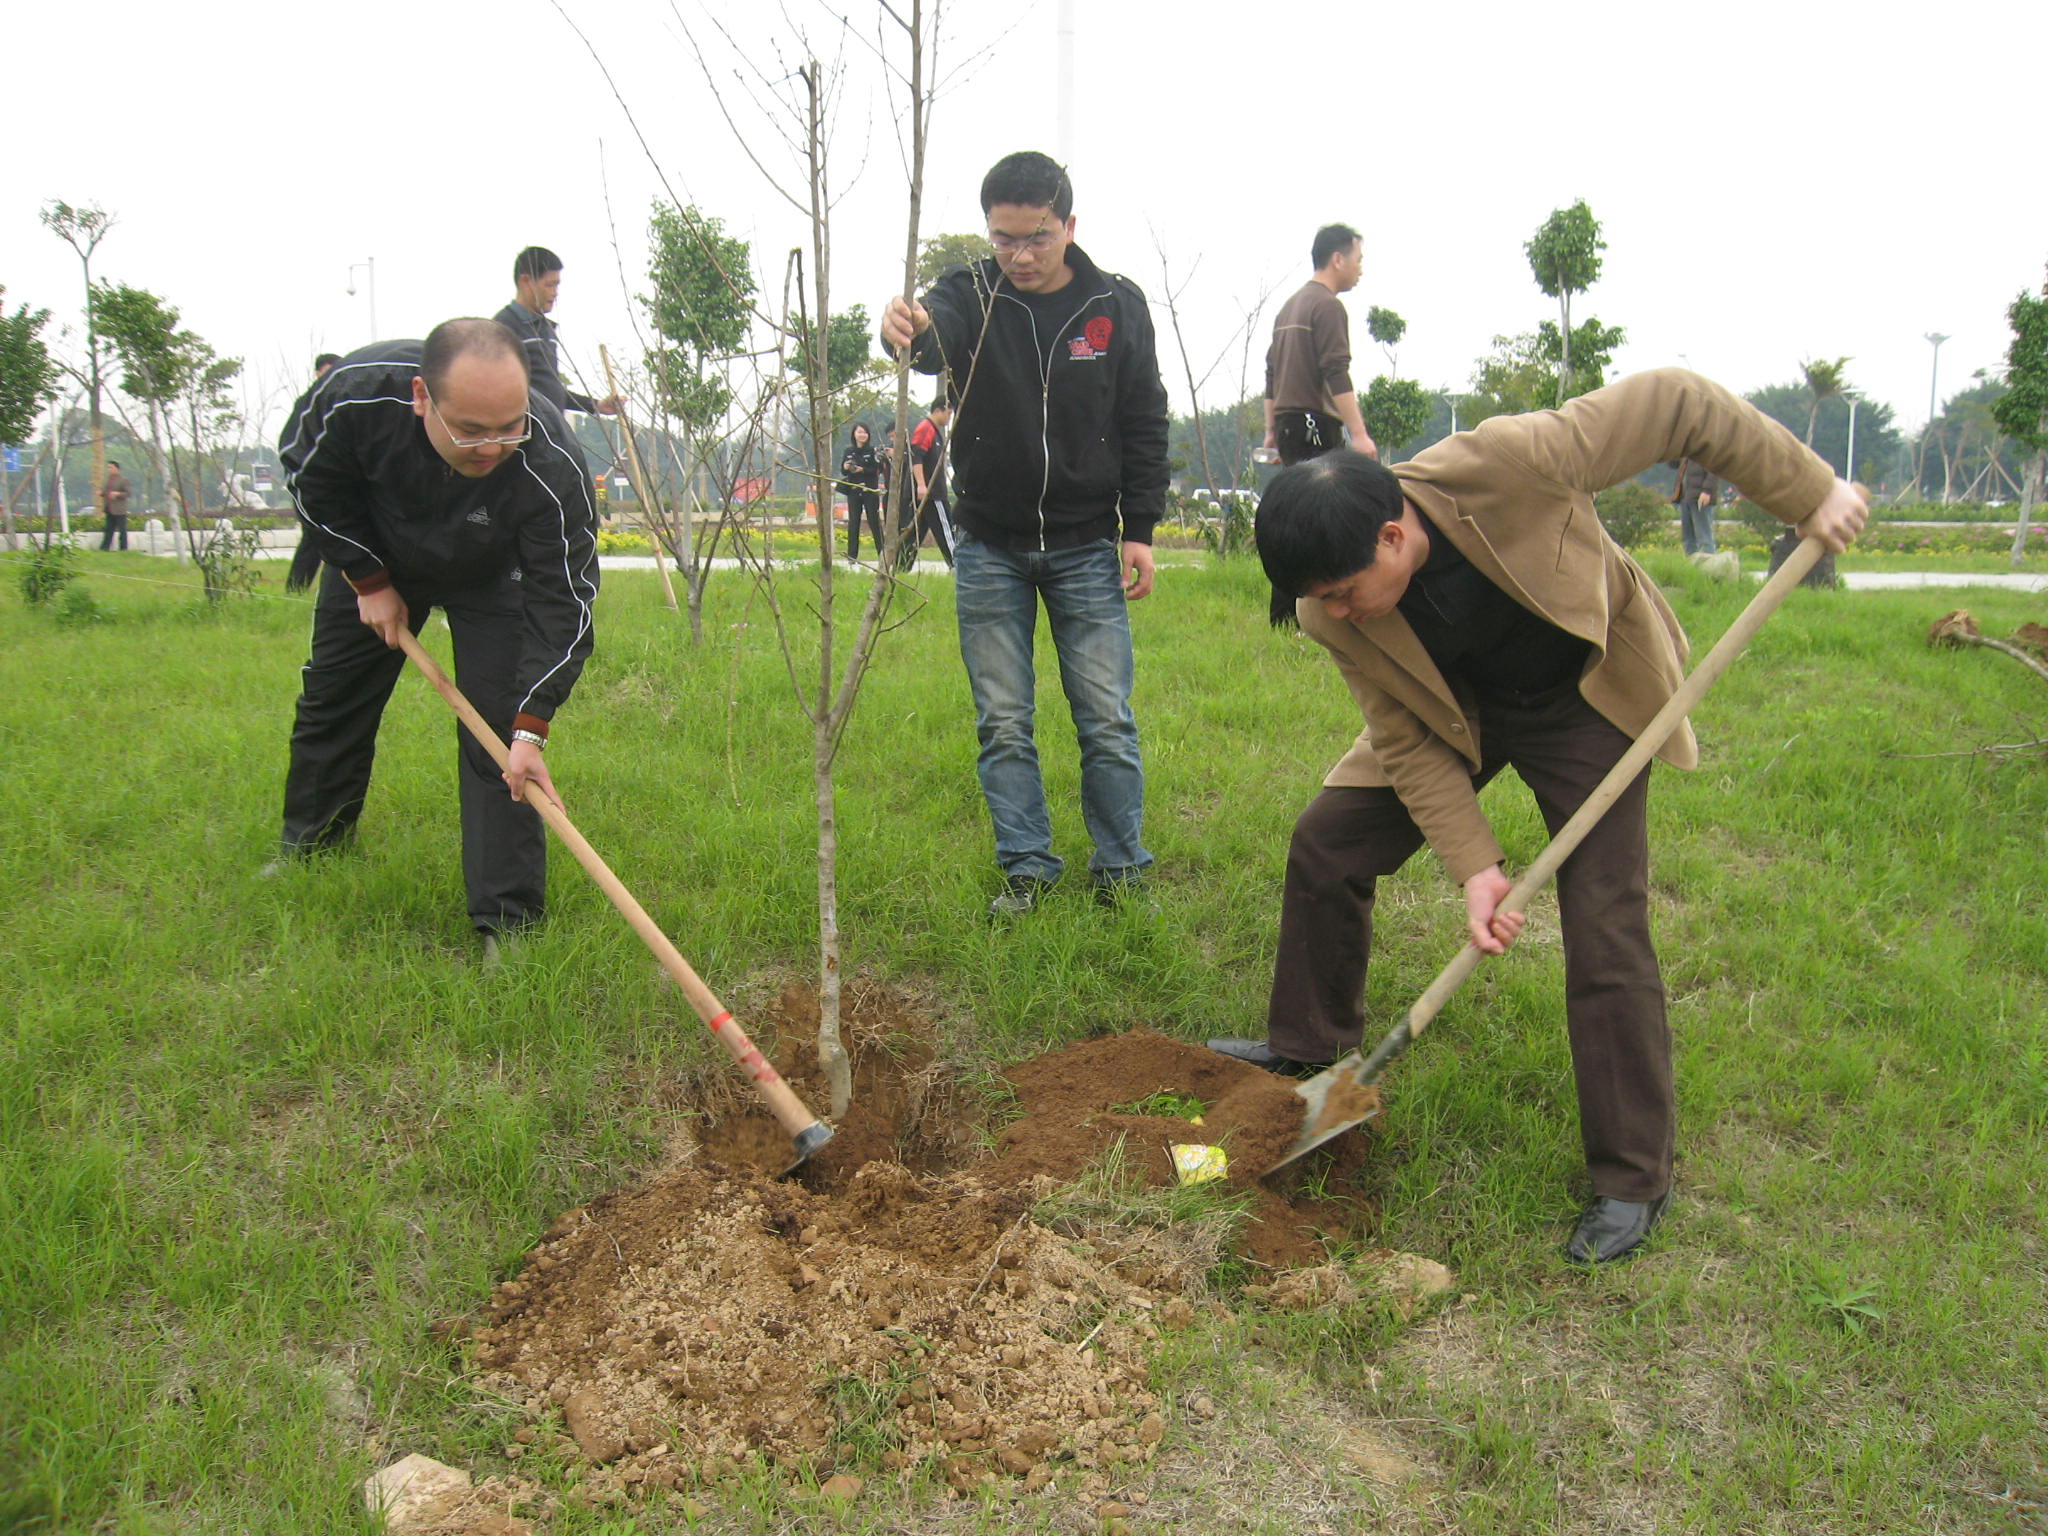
[(1776, 181)]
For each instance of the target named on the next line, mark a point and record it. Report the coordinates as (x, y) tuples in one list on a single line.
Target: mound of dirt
[(895, 1302)]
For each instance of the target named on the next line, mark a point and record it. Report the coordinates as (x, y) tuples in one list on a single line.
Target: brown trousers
[(1614, 996)]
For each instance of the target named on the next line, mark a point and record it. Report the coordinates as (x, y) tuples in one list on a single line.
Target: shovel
[(1336, 1097), (806, 1131)]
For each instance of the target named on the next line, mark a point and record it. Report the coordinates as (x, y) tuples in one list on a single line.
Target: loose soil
[(924, 1291)]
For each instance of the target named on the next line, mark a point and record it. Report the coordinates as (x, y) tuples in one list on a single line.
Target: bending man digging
[(1483, 619)]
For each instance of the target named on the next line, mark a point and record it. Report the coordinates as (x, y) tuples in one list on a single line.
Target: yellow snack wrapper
[(1196, 1164)]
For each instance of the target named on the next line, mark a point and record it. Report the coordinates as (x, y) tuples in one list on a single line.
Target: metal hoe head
[(807, 1141)]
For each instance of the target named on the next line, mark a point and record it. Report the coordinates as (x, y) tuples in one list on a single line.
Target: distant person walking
[(114, 506), (925, 510), (1310, 400), (860, 478), (536, 283), (1694, 495)]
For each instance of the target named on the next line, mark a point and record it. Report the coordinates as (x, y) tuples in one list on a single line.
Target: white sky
[(1776, 181)]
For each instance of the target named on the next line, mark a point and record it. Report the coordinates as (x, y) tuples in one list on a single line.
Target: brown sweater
[(1309, 362)]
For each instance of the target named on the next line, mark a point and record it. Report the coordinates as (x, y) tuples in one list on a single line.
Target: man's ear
[(419, 397)]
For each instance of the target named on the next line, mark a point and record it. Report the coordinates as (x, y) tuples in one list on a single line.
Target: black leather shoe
[(1260, 1054), (1613, 1229)]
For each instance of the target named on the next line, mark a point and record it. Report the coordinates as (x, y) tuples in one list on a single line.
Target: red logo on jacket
[(1093, 340)]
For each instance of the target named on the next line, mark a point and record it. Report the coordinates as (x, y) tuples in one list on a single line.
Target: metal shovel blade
[(1337, 1099)]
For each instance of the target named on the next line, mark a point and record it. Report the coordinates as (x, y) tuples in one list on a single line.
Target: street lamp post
[(1454, 399), (1933, 373), (1849, 458), (369, 263)]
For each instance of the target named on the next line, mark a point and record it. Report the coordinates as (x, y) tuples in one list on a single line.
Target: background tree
[(1386, 328), (1881, 449), (939, 254), (28, 382), (157, 365), (702, 306), (1514, 377), (849, 346), (1824, 381), (2022, 412), (1395, 411), (703, 310), (186, 386), (83, 228), (1564, 254)]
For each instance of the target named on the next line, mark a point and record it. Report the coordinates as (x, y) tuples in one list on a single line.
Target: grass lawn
[(256, 1136)]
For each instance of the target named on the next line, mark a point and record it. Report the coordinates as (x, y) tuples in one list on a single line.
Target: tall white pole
[(1849, 459), (1065, 148)]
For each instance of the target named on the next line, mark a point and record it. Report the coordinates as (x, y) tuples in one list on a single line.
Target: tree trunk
[(1823, 572), (2030, 498)]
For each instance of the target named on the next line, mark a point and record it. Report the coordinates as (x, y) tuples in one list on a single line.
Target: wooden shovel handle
[(788, 1109)]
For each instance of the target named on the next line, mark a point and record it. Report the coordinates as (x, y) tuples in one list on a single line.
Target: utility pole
[(1933, 373), (355, 267)]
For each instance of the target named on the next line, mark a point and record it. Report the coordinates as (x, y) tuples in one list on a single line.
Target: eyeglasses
[(501, 439), (1043, 240)]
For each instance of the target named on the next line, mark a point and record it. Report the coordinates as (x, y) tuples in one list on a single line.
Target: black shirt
[(1478, 635)]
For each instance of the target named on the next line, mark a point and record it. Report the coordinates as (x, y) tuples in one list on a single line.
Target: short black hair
[(1320, 521), (536, 262), (1331, 239), (467, 337), (326, 360), (1028, 179), (113, 463)]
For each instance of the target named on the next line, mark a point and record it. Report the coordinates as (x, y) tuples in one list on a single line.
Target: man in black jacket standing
[(1059, 468), (536, 283), (429, 475)]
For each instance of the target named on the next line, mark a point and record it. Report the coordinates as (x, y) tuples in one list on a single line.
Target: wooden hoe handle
[(788, 1109)]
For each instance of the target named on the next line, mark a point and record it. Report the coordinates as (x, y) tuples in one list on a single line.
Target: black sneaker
[(1125, 893), (1021, 894)]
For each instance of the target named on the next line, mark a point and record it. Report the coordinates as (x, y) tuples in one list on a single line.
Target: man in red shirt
[(924, 510)]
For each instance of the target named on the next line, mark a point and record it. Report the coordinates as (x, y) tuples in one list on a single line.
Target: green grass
[(256, 1136)]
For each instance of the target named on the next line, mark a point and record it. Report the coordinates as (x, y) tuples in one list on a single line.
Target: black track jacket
[(384, 508), (1060, 435)]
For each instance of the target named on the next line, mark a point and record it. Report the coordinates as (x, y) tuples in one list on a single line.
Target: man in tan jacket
[(1483, 619)]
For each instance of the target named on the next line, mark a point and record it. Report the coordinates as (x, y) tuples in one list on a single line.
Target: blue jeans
[(997, 592)]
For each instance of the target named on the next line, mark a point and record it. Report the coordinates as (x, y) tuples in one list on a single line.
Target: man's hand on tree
[(903, 323)]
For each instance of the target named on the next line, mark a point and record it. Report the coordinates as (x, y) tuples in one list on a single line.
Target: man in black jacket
[(429, 475), (1059, 469), (536, 283)]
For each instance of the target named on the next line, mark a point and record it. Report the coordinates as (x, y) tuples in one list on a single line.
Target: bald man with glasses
[(432, 475)]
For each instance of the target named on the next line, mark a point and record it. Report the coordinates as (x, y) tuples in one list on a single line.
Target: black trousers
[(117, 526), (348, 679), (1614, 994), (1305, 434), (937, 521), (859, 504)]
